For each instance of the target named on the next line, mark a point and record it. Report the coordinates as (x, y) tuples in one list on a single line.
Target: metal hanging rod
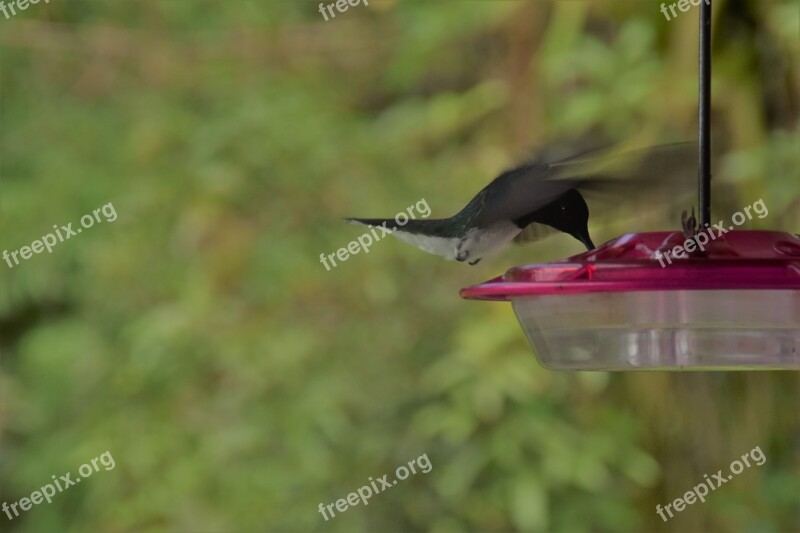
[(704, 171)]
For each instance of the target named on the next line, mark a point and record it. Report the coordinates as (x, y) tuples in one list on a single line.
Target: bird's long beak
[(584, 237)]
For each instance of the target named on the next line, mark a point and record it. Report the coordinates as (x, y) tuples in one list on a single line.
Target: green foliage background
[(238, 384)]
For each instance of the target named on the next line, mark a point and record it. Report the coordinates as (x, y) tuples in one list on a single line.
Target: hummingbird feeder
[(732, 305)]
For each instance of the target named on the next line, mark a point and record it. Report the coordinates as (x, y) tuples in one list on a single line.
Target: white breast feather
[(443, 246)]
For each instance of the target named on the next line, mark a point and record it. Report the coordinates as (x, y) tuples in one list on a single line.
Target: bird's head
[(570, 214)]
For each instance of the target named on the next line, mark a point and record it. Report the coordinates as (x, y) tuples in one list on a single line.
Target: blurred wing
[(534, 232), (623, 176), (662, 177), (654, 166)]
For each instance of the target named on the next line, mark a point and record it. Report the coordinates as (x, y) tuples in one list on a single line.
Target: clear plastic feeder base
[(736, 307), (664, 330)]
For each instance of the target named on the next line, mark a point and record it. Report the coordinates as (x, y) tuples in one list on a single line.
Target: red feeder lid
[(659, 261)]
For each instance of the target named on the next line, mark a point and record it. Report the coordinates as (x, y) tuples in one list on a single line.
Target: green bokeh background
[(238, 384)]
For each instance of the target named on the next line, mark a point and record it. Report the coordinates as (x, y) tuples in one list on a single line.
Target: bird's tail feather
[(430, 235), (374, 222)]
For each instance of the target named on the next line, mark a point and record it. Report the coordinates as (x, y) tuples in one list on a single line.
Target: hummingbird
[(546, 191)]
